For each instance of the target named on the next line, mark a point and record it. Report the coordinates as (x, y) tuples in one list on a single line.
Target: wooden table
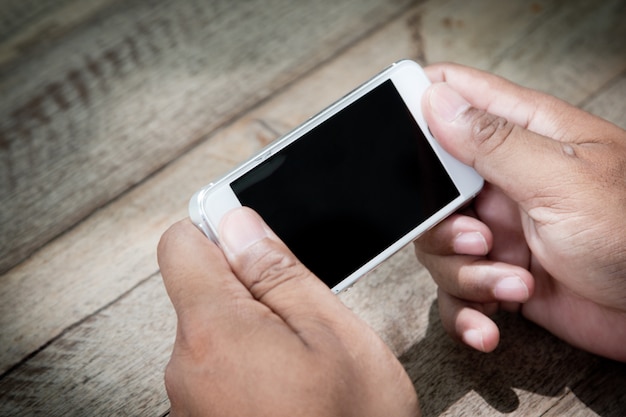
[(113, 113)]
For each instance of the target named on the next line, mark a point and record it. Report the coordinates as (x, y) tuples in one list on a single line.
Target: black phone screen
[(351, 187)]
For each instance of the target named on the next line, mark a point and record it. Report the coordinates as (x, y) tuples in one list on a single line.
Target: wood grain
[(28, 25), (83, 276), (86, 325), (528, 374), (608, 101), (570, 55), (96, 381), (122, 96), (602, 393)]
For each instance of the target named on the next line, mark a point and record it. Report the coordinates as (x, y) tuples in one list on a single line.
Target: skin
[(547, 235), (260, 335)]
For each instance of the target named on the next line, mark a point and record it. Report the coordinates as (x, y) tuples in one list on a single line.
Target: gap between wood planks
[(77, 324), (72, 214)]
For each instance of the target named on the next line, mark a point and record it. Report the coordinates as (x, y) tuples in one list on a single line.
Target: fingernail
[(446, 102), (471, 243), (511, 289), (474, 338), (241, 228)]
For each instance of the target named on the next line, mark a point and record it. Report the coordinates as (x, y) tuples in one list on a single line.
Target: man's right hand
[(547, 236)]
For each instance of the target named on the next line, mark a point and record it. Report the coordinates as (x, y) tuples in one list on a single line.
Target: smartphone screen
[(350, 187)]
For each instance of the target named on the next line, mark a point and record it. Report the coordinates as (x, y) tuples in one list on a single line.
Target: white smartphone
[(352, 185)]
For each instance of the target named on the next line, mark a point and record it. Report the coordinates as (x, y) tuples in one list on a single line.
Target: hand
[(260, 335), (547, 235)]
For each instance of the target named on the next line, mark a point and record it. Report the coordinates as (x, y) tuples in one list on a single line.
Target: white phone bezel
[(211, 203)]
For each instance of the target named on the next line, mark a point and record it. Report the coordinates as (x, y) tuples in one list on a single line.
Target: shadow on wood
[(443, 372)]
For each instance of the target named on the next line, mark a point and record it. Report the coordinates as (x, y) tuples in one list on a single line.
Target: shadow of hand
[(528, 361)]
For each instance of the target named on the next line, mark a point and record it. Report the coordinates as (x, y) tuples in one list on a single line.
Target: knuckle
[(425, 257), (193, 338), (170, 378), (489, 131), (599, 164), (272, 270), (419, 250), (174, 381)]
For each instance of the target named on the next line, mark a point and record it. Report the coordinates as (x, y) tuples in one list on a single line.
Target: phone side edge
[(411, 88), (208, 205), (196, 213)]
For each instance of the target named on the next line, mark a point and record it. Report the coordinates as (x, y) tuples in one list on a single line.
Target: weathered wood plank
[(570, 54), (481, 34), (609, 101), (26, 25), (95, 262), (602, 393), (529, 372), (568, 49), (45, 299), (75, 275), (123, 95), (110, 364)]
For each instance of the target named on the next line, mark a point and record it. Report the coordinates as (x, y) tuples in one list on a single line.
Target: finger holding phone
[(352, 185), (547, 234), (259, 335)]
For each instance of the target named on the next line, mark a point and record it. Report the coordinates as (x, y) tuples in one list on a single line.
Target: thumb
[(272, 273), (513, 158)]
